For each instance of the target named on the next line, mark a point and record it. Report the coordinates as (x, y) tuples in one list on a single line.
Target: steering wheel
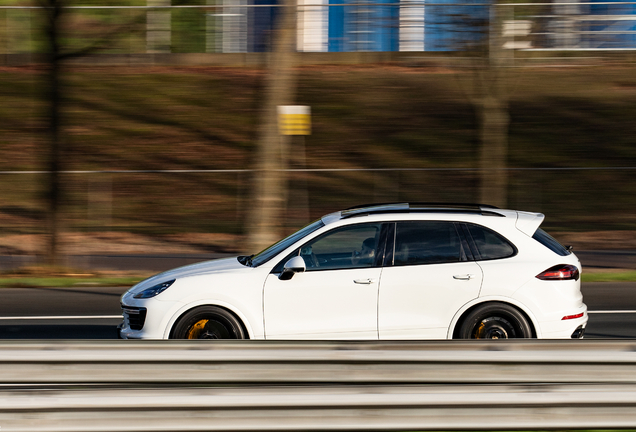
[(355, 257)]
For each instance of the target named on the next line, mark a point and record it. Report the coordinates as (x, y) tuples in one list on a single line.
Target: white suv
[(391, 271)]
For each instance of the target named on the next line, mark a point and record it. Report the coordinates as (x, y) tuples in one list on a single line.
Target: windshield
[(275, 249)]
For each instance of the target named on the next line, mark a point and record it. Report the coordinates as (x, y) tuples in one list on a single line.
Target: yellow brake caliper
[(196, 330), (479, 334)]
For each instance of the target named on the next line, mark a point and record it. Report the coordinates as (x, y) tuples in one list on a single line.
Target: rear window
[(548, 241)]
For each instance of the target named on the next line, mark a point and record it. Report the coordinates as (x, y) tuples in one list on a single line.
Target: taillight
[(569, 317), (560, 272)]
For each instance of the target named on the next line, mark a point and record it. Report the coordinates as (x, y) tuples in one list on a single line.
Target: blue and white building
[(424, 25)]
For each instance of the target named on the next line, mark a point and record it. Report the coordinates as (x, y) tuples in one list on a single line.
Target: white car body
[(421, 301)]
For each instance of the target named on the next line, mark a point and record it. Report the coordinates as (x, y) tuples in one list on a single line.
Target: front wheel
[(495, 321), (208, 322)]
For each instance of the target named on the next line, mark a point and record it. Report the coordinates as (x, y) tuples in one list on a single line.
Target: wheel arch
[(458, 320), (183, 311)]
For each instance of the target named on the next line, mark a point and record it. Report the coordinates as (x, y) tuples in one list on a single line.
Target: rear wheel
[(495, 321), (208, 322)]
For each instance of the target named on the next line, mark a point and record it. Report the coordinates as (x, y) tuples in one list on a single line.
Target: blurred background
[(150, 127)]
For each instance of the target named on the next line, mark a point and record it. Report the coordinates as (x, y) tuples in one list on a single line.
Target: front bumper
[(147, 318)]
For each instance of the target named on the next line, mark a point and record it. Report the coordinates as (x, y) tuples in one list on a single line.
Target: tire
[(208, 322), (494, 321)]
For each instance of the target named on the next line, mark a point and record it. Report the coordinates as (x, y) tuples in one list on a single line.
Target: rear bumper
[(566, 328)]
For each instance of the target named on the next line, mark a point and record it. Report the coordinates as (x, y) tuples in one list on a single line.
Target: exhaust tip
[(578, 333)]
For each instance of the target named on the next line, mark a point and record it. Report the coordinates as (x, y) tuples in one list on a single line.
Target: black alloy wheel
[(494, 321), (208, 322)]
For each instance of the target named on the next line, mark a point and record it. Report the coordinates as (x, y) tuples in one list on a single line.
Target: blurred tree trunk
[(56, 152), (270, 181), (492, 111), (53, 10)]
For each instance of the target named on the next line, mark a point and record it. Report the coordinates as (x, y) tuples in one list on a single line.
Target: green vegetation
[(55, 276), (189, 27), (622, 276)]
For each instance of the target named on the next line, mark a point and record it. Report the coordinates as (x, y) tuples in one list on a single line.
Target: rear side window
[(490, 245), (427, 243), (548, 241)]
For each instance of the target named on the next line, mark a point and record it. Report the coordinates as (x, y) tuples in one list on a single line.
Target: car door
[(426, 281), (337, 296)]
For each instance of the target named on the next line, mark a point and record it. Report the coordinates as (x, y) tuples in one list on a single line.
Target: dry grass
[(372, 116)]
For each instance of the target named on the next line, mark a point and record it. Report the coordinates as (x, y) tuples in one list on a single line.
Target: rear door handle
[(363, 281), (464, 277)]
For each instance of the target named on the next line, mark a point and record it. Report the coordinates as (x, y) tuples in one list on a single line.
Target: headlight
[(155, 290)]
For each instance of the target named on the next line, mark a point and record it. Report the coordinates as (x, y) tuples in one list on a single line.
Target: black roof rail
[(426, 204), (398, 207)]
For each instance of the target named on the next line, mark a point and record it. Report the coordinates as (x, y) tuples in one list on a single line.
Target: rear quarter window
[(548, 241), (490, 245)]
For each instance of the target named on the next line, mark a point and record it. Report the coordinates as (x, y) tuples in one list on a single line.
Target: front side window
[(427, 242), (490, 245), (353, 246)]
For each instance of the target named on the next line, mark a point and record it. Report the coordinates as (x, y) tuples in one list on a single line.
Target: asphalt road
[(612, 309), (50, 311)]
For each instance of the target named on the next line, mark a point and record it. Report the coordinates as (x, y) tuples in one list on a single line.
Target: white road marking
[(612, 312), (61, 317)]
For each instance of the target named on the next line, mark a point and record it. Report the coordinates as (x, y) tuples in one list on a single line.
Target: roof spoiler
[(528, 222)]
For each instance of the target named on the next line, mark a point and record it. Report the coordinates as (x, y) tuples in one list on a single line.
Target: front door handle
[(464, 277), (363, 281)]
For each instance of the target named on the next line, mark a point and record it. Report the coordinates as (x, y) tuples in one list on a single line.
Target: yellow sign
[(294, 120)]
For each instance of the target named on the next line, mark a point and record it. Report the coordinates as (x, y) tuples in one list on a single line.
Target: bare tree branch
[(105, 41)]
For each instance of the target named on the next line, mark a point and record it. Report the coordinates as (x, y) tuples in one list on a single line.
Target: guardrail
[(302, 386)]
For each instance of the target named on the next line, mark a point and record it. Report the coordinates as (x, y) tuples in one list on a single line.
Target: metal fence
[(320, 386)]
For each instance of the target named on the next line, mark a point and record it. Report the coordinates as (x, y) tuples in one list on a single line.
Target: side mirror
[(293, 266)]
